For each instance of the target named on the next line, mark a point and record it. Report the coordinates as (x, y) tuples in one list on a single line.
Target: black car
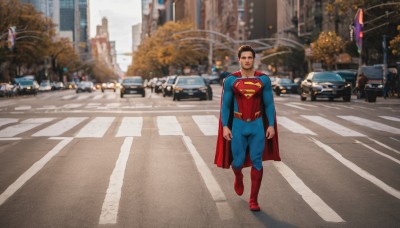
[(325, 85), (285, 86), (133, 85), (85, 86), (168, 86), (191, 87)]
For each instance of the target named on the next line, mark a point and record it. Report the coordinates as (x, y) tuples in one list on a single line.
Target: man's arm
[(226, 106), (268, 99)]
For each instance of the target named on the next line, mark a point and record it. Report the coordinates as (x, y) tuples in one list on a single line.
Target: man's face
[(246, 60)]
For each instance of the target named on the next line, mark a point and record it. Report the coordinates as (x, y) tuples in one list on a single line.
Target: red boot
[(238, 185), (256, 177)]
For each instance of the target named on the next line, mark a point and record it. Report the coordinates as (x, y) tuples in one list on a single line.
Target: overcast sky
[(121, 15)]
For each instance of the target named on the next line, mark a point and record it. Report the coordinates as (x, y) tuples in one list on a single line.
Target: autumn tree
[(166, 50), (395, 44), (327, 47)]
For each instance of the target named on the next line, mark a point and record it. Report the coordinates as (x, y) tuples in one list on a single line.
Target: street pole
[(384, 44)]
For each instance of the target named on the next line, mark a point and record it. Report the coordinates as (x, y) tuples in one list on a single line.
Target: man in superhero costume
[(247, 132)]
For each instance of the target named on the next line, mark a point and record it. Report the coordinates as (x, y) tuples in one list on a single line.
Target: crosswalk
[(347, 126), (169, 125)]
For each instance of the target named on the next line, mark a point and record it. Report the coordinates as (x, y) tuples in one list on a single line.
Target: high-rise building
[(50, 8)]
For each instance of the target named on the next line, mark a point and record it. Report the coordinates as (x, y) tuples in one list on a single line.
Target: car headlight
[(368, 86), (203, 89), (316, 86), (169, 88), (380, 86), (281, 87)]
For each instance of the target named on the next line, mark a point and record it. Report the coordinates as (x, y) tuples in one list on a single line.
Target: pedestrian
[(360, 85), (247, 132)]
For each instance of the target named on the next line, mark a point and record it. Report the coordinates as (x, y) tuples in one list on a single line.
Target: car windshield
[(191, 81), (44, 83), (330, 77), (133, 80), (26, 82), (171, 80), (285, 81)]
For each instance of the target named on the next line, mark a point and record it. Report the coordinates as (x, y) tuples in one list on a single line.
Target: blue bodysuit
[(249, 96)]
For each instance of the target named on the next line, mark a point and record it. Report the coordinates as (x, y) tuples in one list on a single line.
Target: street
[(98, 160)]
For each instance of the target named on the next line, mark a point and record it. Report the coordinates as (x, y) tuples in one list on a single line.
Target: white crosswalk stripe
[(5, 121), (371, 124), (24, 126), (130, 126), (60, 127), (208, 124), (168, 125), (330, 125), (293, 126), (96, 128), (391, 118)]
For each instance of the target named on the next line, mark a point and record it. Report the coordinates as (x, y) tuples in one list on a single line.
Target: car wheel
[(331, 99), (122, 95), (163, 94), (278, 92), (143, 94), (102, 90), (347, 98), (313, 97)]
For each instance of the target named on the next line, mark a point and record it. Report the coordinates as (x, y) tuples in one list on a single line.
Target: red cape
[(223, 154)]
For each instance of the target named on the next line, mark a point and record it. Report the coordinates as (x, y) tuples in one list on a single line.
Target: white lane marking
[(23, 126), (33, 170), (4, 121), (168, 125), (109, 211), (212, 185), (60, 127), (9, 139), (337, 128), (208, 124), (371, 124), (21, 108), (293, 126), (113, 105), (390, 118), (379, 152), (98, 96), (312, 199), (72, 105), (364, 174), (384, 145), (344, 106), (47, 107), (395, 139), (304, 104), (82, 97), (96, 128), (295, 106), (67, 97), (328, 106), (130, 126), (111, 96)]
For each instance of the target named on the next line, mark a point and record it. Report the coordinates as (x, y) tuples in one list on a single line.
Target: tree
[(166, 50), (327, 47), (395, 43)]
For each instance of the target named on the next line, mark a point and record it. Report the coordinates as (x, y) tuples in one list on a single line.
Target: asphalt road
[(98, 160)]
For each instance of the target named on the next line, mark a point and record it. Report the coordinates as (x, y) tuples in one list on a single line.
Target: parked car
[(190, 87), (349, 75), (85, 86), (374, 75), (325, 85), (285, 86), (27, 87), (133, 85), (45, 86), (108, 86), (7, 90), (167, 86)]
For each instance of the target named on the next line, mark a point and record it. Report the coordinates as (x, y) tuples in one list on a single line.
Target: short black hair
[(244, 48)]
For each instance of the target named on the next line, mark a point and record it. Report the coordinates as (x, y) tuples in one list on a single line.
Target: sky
[(121, 15)]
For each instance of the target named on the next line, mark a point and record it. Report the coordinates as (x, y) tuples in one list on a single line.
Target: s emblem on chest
[(248, 87)]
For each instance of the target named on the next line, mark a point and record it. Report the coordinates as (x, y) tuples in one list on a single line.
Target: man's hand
[(227, 133), (270, 133)]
